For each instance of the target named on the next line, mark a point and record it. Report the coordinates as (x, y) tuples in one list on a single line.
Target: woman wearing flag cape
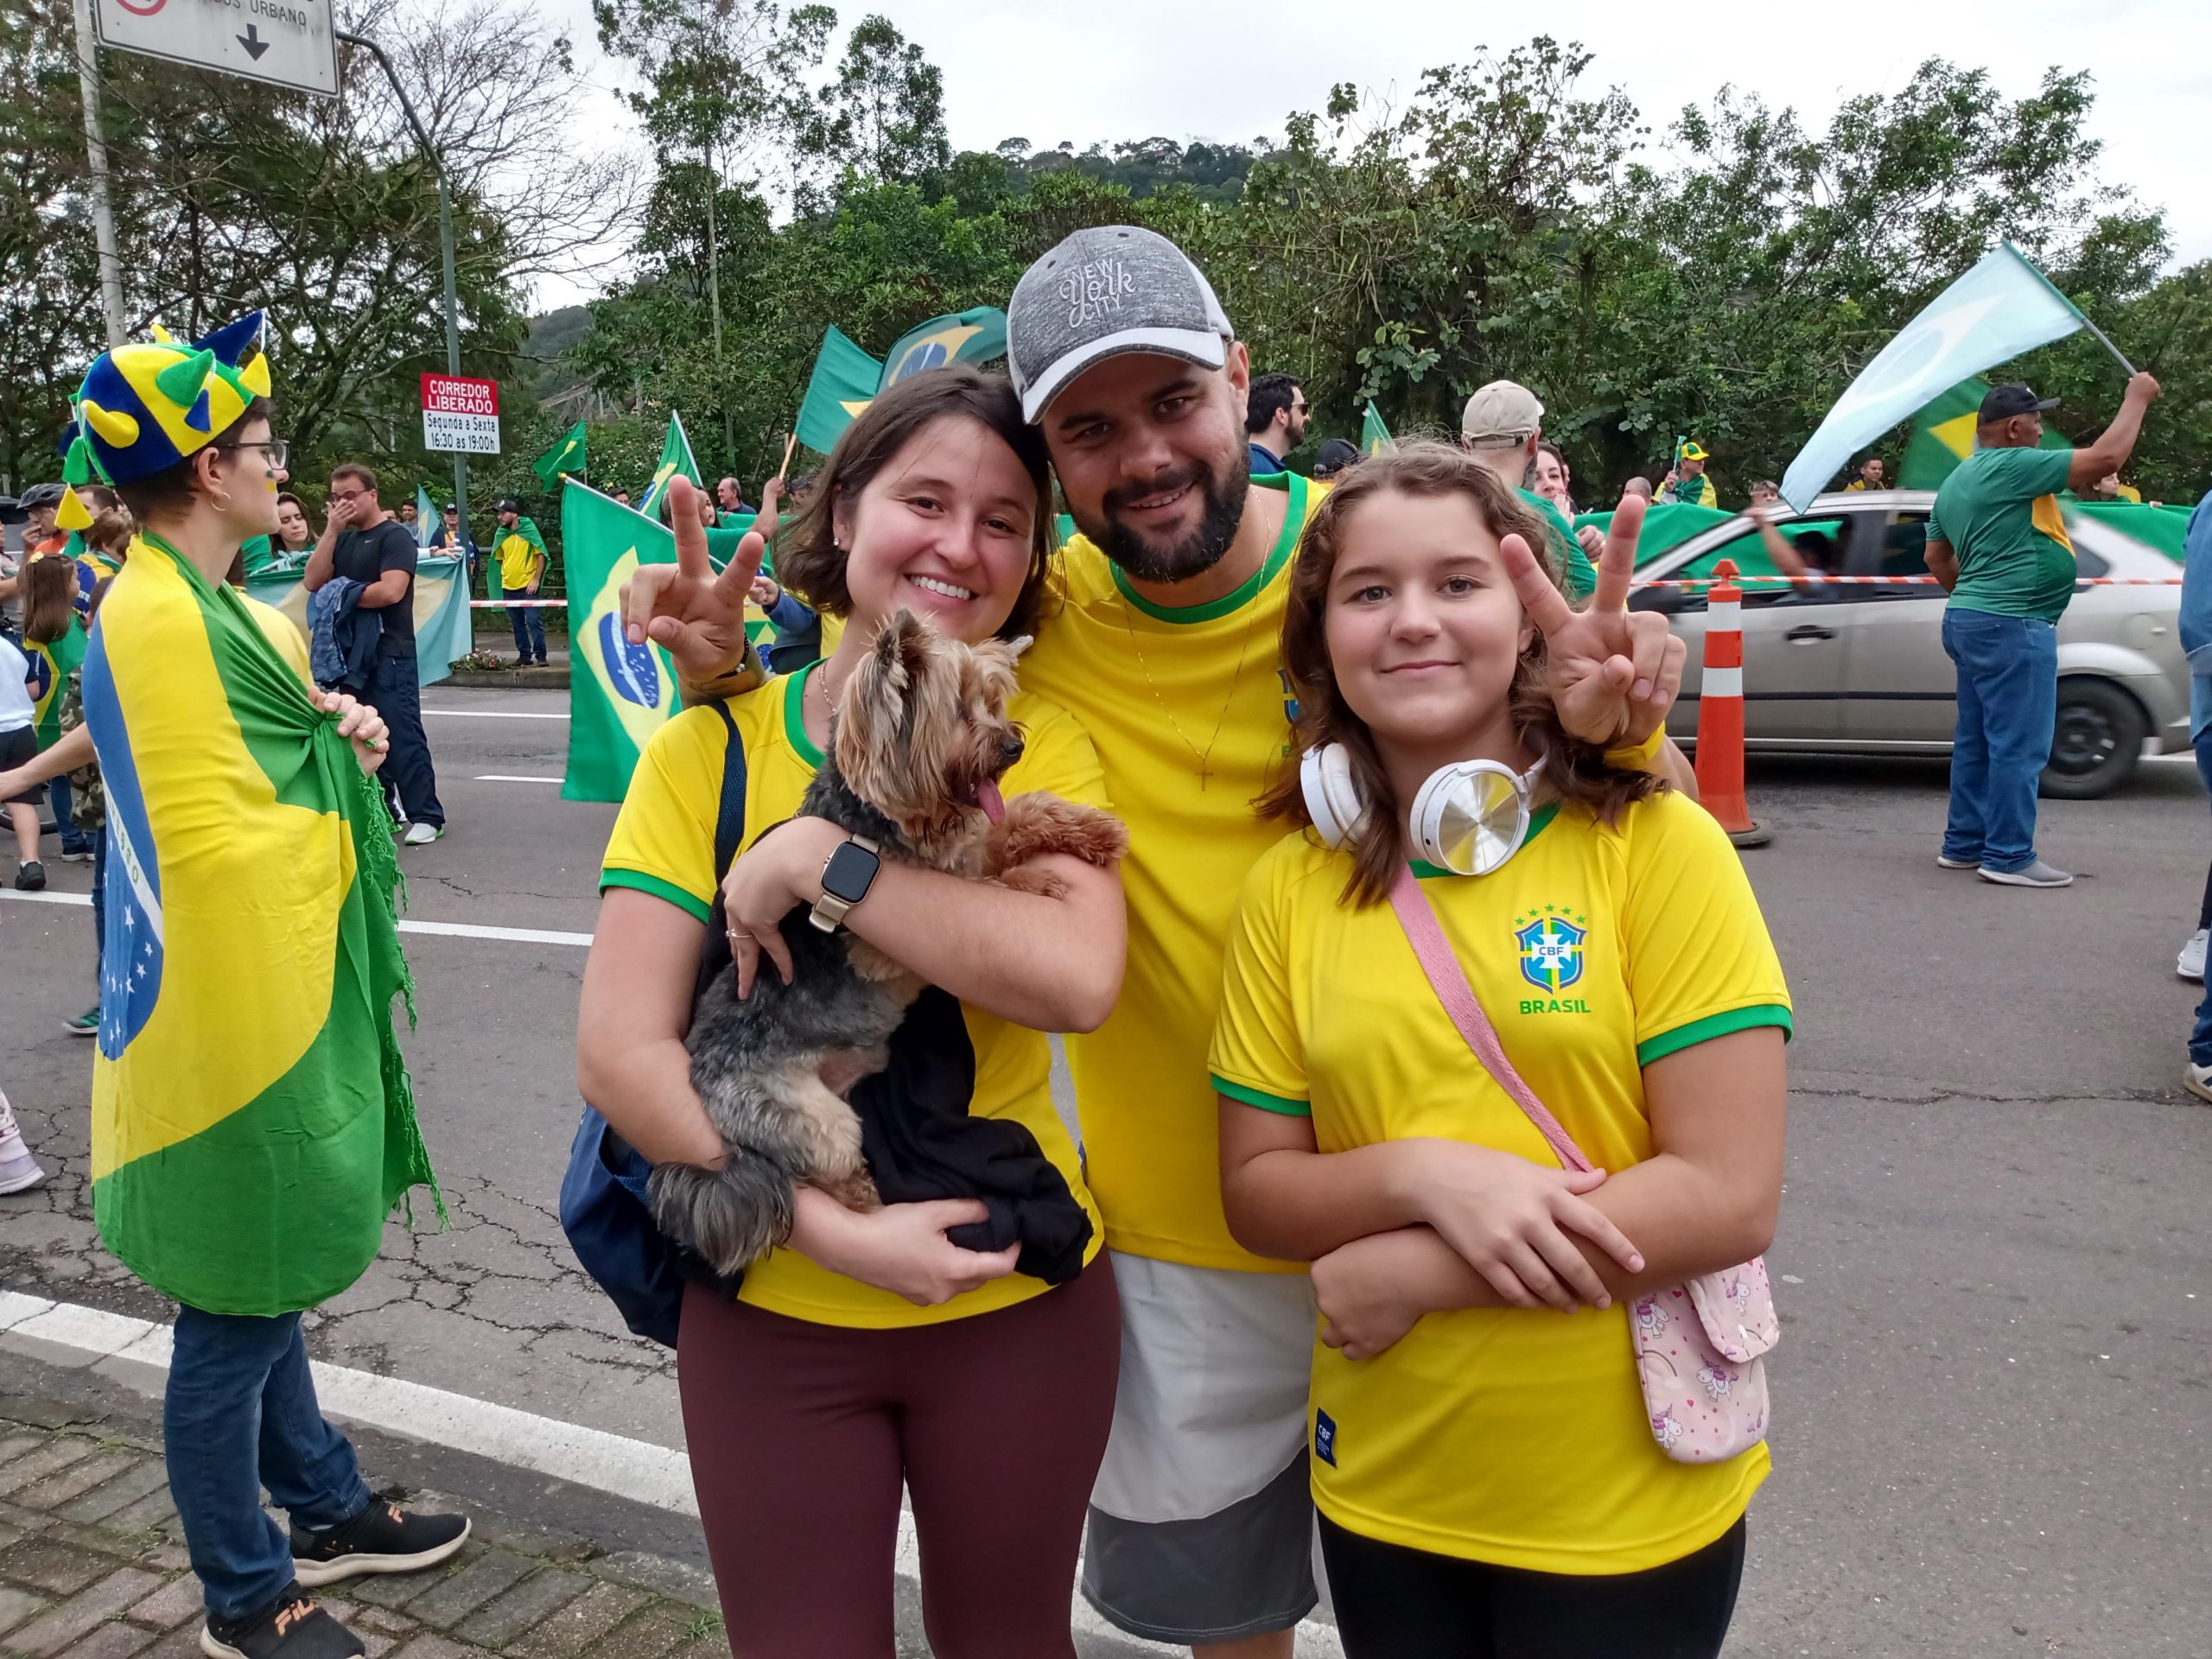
[(252, 1121)]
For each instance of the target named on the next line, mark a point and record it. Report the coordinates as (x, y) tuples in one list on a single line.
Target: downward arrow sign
[(255, 46)]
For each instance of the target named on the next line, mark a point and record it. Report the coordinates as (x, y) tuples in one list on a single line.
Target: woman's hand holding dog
[(901, 1248), (780, 871)]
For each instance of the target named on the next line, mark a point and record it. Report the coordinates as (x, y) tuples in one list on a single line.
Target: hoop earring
[(223, 505)]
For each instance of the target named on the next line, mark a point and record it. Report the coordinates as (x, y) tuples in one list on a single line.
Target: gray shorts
[(1202, 1522)]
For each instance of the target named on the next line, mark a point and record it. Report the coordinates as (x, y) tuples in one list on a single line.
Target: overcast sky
[(1049, 71)]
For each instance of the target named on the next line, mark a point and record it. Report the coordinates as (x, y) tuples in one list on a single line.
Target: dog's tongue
[(987, 798)]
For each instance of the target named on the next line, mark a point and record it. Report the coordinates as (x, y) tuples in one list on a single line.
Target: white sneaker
[(2198, 1079), (422, 834), (2190, 964), (1945, 862), (2038, 874)]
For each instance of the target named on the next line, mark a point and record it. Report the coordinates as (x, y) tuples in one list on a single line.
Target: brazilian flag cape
[(253, 1120)]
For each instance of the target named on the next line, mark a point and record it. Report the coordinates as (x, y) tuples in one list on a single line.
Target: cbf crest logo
[(1551, 951)]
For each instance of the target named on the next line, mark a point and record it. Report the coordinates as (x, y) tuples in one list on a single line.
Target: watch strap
[(829, 910)]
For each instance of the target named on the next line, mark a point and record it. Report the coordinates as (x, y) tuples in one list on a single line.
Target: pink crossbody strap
[(1449, 980)]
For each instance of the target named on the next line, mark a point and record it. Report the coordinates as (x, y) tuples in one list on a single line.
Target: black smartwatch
[(847, 876)]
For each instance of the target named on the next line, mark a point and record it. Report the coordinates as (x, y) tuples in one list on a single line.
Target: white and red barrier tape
[(1902, 582), (517, 604)]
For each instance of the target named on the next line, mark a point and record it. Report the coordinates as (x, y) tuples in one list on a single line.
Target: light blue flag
[(426, 516), (2000, 308)]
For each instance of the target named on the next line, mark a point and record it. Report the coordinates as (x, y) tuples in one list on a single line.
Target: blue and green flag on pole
[(976, 336), (845, 381), (2003, 306), (566, 456), (619, 694)]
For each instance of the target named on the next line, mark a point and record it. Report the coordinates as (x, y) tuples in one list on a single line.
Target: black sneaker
[(380, 1538), (295, 1628), (31, 878)]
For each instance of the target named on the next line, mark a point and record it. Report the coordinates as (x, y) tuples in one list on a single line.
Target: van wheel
[(2098, 741)]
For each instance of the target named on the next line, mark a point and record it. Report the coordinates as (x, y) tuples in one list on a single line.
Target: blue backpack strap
[(729, 816)]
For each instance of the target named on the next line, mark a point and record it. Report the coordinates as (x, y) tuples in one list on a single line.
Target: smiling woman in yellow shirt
[(1482, 1456), (869, 1354)]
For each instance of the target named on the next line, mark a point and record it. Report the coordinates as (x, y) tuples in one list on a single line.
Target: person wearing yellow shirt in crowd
[(1484, 1460), (1160, 637), (1686, 480), (1872, 475), (521, 552), (869, 1351)]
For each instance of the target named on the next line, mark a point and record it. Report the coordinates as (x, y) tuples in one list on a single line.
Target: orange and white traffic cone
[(1720, 712)]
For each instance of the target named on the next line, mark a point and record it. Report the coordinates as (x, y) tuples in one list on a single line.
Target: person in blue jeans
[(2197, 640), (1997, 544)]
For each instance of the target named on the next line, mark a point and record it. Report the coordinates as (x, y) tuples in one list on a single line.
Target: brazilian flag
[(1375, 438), (976, 336), (619, 694), (51, 664), (1942, 436), (252, 1121), (675, 461), (564, 457), (845, 381)]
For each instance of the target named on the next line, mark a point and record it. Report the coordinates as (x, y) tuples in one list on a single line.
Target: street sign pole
[(111, 261), (445, 250)]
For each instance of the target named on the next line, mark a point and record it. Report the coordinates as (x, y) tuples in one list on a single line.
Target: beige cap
[(1504, 412)]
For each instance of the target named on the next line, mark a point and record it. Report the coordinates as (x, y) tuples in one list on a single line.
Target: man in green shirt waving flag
[(1996, 540)]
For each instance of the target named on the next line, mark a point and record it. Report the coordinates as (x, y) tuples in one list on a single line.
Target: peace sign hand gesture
[(696, 616), (1614, 672)]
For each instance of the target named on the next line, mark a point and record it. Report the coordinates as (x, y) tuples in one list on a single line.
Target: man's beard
[(1198, 551)]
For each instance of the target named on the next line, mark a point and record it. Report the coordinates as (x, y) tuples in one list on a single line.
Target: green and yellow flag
[(844, 382), (1375, 438), (563, 458), (976, 336), (1943, 437), (51, 664), (619, 694), (675, 461), (252, 1123)]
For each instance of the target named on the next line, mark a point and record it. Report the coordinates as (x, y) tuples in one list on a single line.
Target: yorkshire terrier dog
[(918, 743)]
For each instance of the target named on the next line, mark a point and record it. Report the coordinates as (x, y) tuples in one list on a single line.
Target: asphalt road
[(1993, 1400)]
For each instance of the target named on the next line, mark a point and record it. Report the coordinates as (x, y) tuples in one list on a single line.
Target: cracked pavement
[(1993, 1400)]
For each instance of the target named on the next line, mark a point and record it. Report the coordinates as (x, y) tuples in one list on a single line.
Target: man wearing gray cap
[(1163, 643), (1501, 427)]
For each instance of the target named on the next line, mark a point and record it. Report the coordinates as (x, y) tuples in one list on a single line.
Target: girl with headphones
[(1498, 1466)]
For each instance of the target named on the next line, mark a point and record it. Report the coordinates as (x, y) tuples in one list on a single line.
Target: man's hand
[(1613, 672), (696, 616), (341, 511), (1592, 540), (2144, 389)]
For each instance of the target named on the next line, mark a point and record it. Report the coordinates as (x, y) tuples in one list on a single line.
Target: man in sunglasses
[(362, 542)]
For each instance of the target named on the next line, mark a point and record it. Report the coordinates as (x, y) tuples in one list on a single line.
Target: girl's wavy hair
[(807, 560), (1574, 771), (47, 606)]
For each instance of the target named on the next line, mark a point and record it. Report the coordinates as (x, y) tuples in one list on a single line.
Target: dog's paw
[(1037, 823)]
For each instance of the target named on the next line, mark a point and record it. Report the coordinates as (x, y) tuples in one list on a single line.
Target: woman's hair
[(46, 604), (110, 530), (809, 561), (170, 489), (1574, 771), (283, 496)]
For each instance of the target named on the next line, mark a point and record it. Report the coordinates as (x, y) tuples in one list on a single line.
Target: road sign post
[(460, 414), (285, 43)]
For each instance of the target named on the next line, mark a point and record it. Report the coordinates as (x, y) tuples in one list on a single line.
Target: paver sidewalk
[(92, 1566)]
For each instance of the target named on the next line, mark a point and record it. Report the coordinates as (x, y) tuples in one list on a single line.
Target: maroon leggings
[(801, 1435)]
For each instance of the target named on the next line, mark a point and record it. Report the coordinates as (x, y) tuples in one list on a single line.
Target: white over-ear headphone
[(1468, 818)]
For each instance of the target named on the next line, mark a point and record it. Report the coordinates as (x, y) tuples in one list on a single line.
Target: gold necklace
[(1202, 756)]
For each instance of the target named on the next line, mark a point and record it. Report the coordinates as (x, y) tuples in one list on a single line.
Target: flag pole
[(2105, 340), (791, 442)]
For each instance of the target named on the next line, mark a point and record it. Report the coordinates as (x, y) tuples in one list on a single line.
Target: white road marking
[(494, 714), (637, 1470), (509, 777), (450, 929)]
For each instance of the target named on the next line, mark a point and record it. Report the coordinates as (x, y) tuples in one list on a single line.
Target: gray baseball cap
[(1499, 415), (1103, 293)]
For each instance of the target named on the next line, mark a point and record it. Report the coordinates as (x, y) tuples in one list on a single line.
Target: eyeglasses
[(275, 448)]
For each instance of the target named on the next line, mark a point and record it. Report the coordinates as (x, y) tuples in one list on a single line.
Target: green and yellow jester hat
[(145, 407)]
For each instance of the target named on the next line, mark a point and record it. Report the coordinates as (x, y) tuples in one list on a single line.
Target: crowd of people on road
[(1427, 1046)]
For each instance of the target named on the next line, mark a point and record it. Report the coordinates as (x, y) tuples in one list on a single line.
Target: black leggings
[(1395, 1603)]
